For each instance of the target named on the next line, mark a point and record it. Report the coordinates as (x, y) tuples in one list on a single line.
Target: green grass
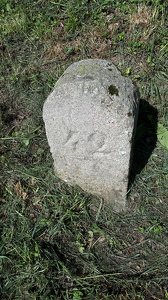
[(56, 241)]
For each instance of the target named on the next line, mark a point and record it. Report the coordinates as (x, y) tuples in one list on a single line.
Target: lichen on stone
[(113, 90)]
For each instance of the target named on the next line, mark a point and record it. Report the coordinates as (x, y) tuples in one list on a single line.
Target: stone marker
[(90, 119)]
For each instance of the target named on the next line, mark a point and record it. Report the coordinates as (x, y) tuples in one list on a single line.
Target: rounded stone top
[(100, 78)]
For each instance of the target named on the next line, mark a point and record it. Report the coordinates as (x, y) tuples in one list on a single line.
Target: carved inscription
[(89, 144)]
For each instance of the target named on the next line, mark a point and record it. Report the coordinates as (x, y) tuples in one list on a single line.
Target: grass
[(56, 241)]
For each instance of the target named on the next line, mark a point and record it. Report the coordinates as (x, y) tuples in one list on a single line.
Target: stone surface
[(90, 119)]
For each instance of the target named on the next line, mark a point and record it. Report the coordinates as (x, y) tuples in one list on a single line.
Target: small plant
[(71, 23)]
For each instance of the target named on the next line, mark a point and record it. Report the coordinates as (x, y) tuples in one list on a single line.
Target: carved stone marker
[(90, 119)]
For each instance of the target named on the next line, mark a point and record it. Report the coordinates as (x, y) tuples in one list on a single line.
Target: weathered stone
[(90, 119)]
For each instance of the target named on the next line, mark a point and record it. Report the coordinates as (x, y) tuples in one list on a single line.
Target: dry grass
[(144, 15)]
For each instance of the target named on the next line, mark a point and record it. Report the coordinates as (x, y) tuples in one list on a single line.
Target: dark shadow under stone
[(145, 138)]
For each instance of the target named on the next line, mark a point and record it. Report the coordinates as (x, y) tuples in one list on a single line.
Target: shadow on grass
[(145, 138)]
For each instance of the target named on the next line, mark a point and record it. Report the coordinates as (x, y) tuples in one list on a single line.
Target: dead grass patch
[(144, 20), (143, 16), (87, 45)]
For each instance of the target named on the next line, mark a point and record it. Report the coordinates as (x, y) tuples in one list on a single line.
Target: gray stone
[(90, 119)]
